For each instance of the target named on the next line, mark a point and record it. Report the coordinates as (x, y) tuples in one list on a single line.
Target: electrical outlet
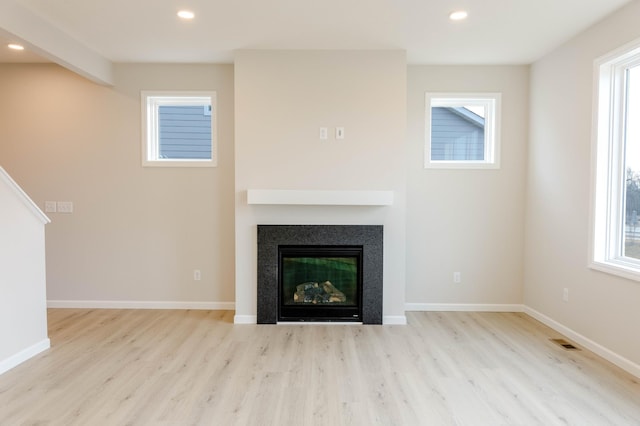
[(457, 278), (197, 276), (565, 294), (324, 133)]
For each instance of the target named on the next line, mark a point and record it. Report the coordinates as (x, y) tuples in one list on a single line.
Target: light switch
[(339, 132), (50, 206), (324, 133), (65, 207)]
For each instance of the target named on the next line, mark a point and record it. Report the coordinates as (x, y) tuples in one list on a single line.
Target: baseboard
[(136, 304), (24, 355), (245, 319), (463, 307), (622, 362), (394, 320)]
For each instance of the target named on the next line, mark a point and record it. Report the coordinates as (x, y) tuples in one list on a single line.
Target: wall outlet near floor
[(197, 276), (565, 294), (457, 278)]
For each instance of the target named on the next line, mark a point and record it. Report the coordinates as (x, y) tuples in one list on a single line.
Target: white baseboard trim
[(245, 319), (24, 355), (137, 304), (622, 362), (394, 320), (463, 307)]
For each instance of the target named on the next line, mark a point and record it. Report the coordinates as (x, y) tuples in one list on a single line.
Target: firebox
[(320, 283)]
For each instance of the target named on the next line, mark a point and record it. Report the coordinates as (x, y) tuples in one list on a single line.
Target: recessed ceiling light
[(186, 14), (458, 15), (14, 46)]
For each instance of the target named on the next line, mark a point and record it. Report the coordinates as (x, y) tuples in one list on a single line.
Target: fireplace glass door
[(320, 283)]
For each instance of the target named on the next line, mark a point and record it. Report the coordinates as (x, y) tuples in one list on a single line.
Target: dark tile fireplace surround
[(271, 237)]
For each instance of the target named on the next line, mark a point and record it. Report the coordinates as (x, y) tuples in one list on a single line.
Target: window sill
[(173, 163), (461, 165), (616, 269)]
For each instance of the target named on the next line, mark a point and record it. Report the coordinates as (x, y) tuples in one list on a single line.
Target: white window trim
[(492, 102), (149, 126), (607, 171)]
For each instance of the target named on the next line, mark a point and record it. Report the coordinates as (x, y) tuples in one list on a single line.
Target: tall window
[(179, 129), (462, 130), (616, 227)]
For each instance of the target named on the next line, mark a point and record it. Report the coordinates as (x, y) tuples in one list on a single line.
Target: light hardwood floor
[(148, 367)]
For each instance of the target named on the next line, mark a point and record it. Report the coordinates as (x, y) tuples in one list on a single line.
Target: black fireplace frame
[(370, 237)]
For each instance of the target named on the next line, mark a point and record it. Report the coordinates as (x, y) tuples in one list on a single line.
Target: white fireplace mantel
[(319, 197)]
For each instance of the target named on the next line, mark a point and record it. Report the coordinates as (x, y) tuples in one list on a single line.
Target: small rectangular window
[(462, 130), (179, 129)]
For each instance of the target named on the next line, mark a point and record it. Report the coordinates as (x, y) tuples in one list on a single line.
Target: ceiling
[(12, 56), (496, 32)]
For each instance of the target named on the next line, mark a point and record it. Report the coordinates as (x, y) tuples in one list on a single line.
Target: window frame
[(608, 171), (150, 101), (492, 103)]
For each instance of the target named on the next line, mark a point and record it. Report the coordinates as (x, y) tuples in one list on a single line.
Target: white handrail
[(23, 197)]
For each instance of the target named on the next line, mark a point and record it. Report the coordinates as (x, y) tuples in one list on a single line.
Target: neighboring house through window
[(179, 129), (615, 236), (462, 130)]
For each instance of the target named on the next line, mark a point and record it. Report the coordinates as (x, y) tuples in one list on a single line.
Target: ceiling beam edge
[(50, 42)]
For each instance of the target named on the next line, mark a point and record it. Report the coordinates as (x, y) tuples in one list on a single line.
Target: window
[(462, 130), (179, 129), (616, 183)]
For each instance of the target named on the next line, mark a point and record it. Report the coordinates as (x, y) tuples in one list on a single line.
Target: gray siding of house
[(454, 137), (185, 132)]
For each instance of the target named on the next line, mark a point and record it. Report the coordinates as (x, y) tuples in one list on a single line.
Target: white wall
[(86, 149), (601, 307), (23, 309), (469, 221), (282, 99), (136, 234)]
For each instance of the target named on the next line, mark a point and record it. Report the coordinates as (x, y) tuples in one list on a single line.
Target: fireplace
[(319, 283), (320, 273)]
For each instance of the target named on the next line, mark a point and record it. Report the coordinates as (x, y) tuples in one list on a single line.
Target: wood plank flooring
[(153, 367)]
